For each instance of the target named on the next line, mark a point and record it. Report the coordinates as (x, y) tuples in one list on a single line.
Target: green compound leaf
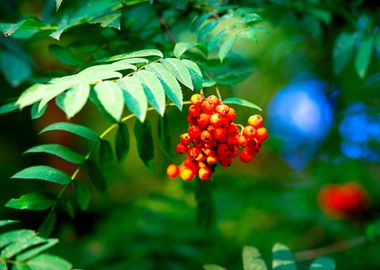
[(169, 83), (145, 146), (134, 96), (82, 195), (180, 71), (14, 236), (20, 245), (252, 259), (49, 262), (76, 129), (282, 258), (136, 54), (30, 253), (45, 173), (58, 150), (122, 142), (111, 97), (31, 201), (73, 100), (242, 102), (97, 177)]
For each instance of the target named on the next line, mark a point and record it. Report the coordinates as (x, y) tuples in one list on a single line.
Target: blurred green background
[(324, 128)]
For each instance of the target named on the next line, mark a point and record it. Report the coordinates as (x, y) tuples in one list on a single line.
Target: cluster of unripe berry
[(213, 138)]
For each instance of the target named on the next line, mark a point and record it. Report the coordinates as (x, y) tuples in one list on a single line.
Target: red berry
[(222, 109), (181, 148), (231, 114), (215, 119), (246, 155), (196, 99), (185, 139), (204, 173), (211, 160), (193, 152), (220, 134), (208, 107), (226, 162), (172, 171), (194, 131), (203, 120), (206, 136), (261, 134), (194, 111), (255, 121), (223, 151), (213, 99), (249, 132), (241, 140)]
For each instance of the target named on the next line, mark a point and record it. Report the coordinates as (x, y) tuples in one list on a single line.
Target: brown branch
[(165, 27), (338, 246)]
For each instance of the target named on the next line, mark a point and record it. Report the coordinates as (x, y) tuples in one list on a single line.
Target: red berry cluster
[(213, 138), (344, 201)]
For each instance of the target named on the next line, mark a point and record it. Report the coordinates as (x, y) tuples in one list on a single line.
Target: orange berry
[(231, 114), (172, 171), (194, 131), (211, 160), (215, 119), (241, 140), (261, 134), (213, 99), (194, 111), (220, 134), (255, 121), (203, 120), (249, 132), (185, 139), (222, 109), (206, 136), (196, 99), (204, 173), (208, 107), (186, 174)]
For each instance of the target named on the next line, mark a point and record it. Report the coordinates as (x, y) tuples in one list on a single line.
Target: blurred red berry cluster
[(344, 201), (213, 138)]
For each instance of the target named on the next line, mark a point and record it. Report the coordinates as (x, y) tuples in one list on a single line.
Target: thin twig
[(165, 27)]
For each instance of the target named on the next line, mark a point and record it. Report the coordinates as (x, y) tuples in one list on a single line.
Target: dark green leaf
[(164, 134), (35, 113), (67, 206), (182, 47), (20, 245), (242, 102), (144, 140), (48, 225), (31, 201), (74, 99), (195, 73), (363, 57), (36, 250), (169, 83), (58, 150), (14, 236), (76, 129), (65, 55), (323, 263), (43, 172), (109, 20), (134, 96), (153, 90), (212, 267), (82, 195), (105, 153), (122, 142), (252, 259), (180, 71), (48, 262), (111, 97), (96, 176), (282, 258), (226, 47), (343, 49), (136, 54)]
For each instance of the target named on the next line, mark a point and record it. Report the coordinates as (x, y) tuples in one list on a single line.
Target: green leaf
[(105, 153), (343, 49), (3, 266), (94, 99), (216, 40), (9, 29), (76, 129), (206, 29), (14, 236), (195, 73), (48, 225), (323, 263), (282, 258), (67, 206), (226, 47), (116, 66), (363, 57), (180, 71), (16, 69), (122, 142), (31, 201), (7, 108), (43, 172), (242, 102), (169, 83), (144, 140), (95, 76), (109, 20), (82, 195), (182, 47), (48, 262), (252, 259), (136, 54), (73, 100), (58, 150), (6, 222), (58, 4), (35, 113), (65, 55), (51, 91), (20, 245), (212, 267), (31, 95), (134, 96), (153, 90), (36, 250), (97, 177), (164, 135), (111, 97)]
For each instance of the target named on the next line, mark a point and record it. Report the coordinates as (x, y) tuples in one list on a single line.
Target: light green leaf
[(6, 222), (95, 100), (35, 113), (58, 150), (95, 76), (208, 83), (153, 90), (48, 262), (20, 245), (252, 259), (3, 266), (73, 100), (48, 225), (169, 83), (97, 177), (282, 258), (45, 173), (343, 49), (82, 195), (65, 55), (136, 54), (76, 129), (16, 69), (13, 236), (109, 20), (58, 4), (144, 140), (122, 142), (226, 47), (31, 95), (31, 201), (116, 66), (323, 263), (212, 267), (134, 96), (51, 91), (182, 47), (363, 57), (36, 250), (111, 97), (180, 71), (242, 102), (195, 73)]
